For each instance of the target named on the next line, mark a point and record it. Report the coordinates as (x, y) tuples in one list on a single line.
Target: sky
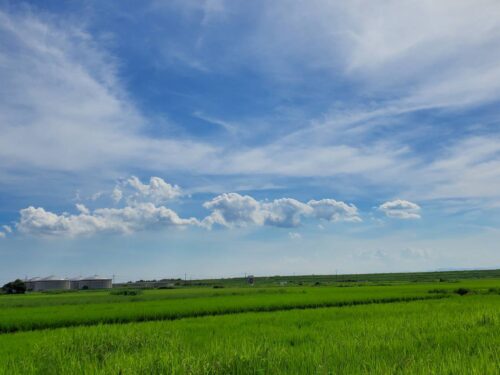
[(214, 138)]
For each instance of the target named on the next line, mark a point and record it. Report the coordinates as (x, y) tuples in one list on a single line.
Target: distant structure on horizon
[(250, 279), (55, 283)]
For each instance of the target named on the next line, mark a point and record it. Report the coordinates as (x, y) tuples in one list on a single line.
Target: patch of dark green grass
[(126, 292)]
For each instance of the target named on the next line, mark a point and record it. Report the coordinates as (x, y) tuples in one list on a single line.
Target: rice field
[(413, 328)]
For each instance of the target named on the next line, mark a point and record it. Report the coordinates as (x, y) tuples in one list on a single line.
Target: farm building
[(47, 283)]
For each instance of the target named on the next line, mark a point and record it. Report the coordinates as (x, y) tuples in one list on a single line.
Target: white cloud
[(7, 229), (284, 212), (233, 209), (82, 209), (116, 195), (406, 56), (430, 53), (332, 210), (377, 255), (400, 209), (467, 168), (63, 101), (142, 212), (415, 253), (292, 158), (96, 196), (38, 221), (390, 253), (294, 235), (156, 191), (60, 88), (211, 120)]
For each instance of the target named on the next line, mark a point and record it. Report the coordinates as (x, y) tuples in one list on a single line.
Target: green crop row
[(23, 319)]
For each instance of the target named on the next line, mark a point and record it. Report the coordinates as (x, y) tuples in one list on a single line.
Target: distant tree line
[(14, 287)]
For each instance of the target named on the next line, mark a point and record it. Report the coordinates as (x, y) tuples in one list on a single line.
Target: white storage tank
[(74, 283), (50, 283), (30, 283), (95, 282)]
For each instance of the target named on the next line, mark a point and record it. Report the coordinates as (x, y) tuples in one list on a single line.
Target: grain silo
[(50, 283), (95, 282)]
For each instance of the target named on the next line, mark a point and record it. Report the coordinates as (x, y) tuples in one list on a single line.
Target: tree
[(15, 287)]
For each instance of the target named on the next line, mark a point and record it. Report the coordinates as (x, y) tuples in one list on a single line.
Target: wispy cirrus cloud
[(62, 99), (65, 99)]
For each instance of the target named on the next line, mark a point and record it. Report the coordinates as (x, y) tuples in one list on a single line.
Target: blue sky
[(216, 137)]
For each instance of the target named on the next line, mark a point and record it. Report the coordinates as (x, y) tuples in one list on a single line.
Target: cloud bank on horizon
[(370, 120)]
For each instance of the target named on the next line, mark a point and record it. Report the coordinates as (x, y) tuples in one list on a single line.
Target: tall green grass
[(459, 335)]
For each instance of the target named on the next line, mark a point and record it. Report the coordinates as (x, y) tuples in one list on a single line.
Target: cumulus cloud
[(156, 191), (38, 221), (400, 209), (142, 212), (233, 209), (332, 210), (2, 235), (294, 235), (285, 212)]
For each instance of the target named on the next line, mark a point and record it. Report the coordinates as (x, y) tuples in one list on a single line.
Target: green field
[(399, 327), (304, 280)]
